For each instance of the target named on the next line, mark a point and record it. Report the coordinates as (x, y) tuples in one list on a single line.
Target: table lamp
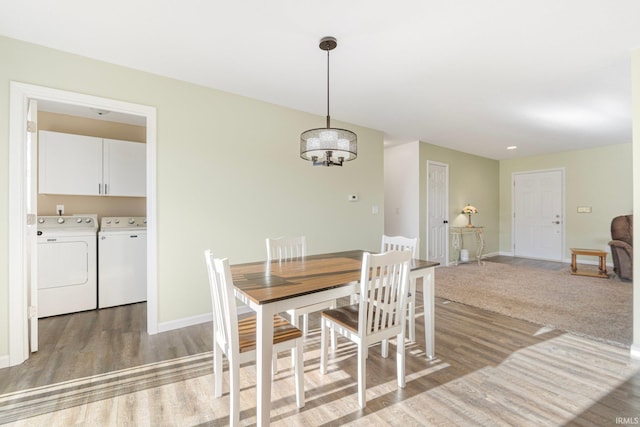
[(468, 210)]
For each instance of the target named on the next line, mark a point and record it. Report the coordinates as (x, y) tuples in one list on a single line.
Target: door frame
[(446, 206), (20, 94), (562, 204)]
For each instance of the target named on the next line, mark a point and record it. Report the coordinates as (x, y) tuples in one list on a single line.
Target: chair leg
[(217, 370), (384, 348), (274, 365), (295, 321), (400, 354), (234, 395), (305, 324), (323, 345), (411, 321), (412, 311), (334, 340), (299, 374), (362, 374)]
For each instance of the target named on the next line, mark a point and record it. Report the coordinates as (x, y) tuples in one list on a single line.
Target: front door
[(538, 217)]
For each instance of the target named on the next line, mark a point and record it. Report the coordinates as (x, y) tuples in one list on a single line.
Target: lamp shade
[(328, 146), (469, 209)]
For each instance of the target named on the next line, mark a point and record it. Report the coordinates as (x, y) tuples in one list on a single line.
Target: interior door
[(437, 212), (31, 201), (538, 217)]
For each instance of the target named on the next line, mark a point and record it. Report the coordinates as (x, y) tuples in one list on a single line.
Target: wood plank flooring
[(101, 368)]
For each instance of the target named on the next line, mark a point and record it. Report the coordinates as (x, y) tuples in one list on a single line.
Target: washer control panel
[(123, 222), (68, 221)]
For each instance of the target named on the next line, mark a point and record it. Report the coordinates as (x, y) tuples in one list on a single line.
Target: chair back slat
[(283, 248), (400, 243), (223, 302), (384, 283)]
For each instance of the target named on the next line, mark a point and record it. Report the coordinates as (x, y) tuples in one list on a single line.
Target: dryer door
[(67, 277)]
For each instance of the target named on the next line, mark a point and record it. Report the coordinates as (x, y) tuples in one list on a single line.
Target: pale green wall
[(229, 174), (598, 177), (472, 179)]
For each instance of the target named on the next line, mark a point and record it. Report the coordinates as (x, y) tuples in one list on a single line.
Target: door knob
[(555, 222)]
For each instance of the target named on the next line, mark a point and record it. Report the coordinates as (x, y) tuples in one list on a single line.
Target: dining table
[(273, 287)]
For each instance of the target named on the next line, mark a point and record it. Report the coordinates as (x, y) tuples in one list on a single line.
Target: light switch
[(584, 209)]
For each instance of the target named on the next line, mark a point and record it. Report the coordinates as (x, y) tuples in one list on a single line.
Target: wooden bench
[(602, 268)]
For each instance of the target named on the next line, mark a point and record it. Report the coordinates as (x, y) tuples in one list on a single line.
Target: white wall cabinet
[(124, 171), (90, 166)]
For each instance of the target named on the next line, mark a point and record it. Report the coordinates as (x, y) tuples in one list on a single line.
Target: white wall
[(635, 347), (401, 190)]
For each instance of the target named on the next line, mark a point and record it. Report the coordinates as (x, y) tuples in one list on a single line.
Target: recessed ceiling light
[(511, 147), (100, 111)]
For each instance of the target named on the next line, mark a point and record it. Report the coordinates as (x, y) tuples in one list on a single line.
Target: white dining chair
[(285, 248), (378, 315), (400, 243), (236, 338)]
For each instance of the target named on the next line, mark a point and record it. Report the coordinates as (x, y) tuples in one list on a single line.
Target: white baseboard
[(184, 322), (193, 320), (4, 361), (635, 352), (594, 261)]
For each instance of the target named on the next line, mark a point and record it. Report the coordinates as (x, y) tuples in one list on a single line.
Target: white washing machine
[(122, 261), (67, 264)]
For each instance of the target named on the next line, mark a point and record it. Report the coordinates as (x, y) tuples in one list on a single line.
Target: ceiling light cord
[(328, 117)]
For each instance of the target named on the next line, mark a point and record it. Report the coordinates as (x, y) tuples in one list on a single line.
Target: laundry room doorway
[(23, 190)]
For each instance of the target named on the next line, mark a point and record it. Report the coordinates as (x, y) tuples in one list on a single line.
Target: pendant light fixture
[(328, 146)]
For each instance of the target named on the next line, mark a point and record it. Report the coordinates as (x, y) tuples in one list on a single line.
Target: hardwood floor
[(101, 368)]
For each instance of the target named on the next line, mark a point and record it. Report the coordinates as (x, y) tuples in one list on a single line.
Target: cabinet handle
[(105, 189), (99, 188)]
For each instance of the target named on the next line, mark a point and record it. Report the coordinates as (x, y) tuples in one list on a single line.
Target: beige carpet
[(592, 307)]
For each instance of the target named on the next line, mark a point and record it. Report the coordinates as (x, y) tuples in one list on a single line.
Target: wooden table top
[(594, 252), (266, 282)]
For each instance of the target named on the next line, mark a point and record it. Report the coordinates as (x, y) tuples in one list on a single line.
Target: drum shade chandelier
[(328, 146)]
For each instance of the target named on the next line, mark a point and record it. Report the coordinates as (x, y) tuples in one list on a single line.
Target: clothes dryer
[(122, 261), (67, 264)]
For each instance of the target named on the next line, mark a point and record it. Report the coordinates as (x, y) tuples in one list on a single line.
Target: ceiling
[(470, 75)]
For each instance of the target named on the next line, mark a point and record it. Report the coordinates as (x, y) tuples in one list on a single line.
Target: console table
[(457, 235)]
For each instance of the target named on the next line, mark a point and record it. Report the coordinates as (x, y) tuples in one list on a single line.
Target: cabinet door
[(125, 168), (69, 164)]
